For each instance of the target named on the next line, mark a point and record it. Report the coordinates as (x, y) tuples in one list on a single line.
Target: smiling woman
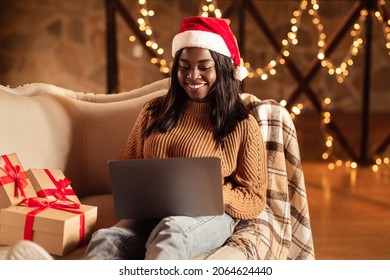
[(201, 115), (197, 74)]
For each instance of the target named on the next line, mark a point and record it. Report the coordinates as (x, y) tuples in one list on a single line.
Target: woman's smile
[(197, 74), (195, 86)]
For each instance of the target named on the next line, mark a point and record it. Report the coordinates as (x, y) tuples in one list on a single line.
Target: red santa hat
[(213, 34)]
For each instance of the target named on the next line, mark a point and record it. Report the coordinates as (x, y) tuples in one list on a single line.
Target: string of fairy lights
[(209, 8)]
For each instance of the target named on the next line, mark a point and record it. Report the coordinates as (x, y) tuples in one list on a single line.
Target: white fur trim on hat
[(200, 39), (240, 73)]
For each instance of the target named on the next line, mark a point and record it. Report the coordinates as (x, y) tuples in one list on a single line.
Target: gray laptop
[(157, 188)]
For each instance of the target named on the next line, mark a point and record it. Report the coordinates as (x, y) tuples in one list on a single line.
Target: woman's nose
[(194, 73)]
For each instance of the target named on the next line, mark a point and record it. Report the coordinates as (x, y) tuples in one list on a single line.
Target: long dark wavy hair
[(227, 108)]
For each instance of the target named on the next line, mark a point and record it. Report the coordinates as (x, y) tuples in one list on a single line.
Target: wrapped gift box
[(58, 231), (52, 184), (15, 185)]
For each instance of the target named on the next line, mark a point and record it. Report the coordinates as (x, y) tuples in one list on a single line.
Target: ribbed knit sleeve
[(245, 193), (133, 148)]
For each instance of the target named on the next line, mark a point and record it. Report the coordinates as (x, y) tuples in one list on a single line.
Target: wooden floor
[(350, 211)]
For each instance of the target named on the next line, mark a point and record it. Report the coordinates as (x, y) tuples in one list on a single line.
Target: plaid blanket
[(282, 230)]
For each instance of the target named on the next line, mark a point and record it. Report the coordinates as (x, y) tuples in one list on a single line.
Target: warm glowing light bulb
[(294, 28), (296, 110), (296, 13), (141, 21), (325, 155), (165, 70), (320, 56), (144, 12), (331, 166), (356, 26)]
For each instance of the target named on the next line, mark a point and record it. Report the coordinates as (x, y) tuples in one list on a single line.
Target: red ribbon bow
[(60, 192), (45, 204), (14, 174)]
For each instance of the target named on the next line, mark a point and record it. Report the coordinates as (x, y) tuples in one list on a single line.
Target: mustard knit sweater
[(243, 159)]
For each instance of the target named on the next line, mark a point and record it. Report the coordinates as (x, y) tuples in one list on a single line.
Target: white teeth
[(195, 86)]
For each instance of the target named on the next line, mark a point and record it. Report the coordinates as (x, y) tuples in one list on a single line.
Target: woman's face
[(196, 73)]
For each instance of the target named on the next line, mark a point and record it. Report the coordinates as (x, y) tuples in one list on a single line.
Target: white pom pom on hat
[(213, 34)]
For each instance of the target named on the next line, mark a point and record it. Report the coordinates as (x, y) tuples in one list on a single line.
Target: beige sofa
[(52, 127)]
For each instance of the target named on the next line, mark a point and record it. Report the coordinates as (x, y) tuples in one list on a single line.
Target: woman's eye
[(183, 67), (205, 67)]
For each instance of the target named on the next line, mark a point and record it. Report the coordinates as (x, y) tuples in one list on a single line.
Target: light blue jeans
[(172, 238)]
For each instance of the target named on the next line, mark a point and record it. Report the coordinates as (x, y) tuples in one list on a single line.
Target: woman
[(202, 115)]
